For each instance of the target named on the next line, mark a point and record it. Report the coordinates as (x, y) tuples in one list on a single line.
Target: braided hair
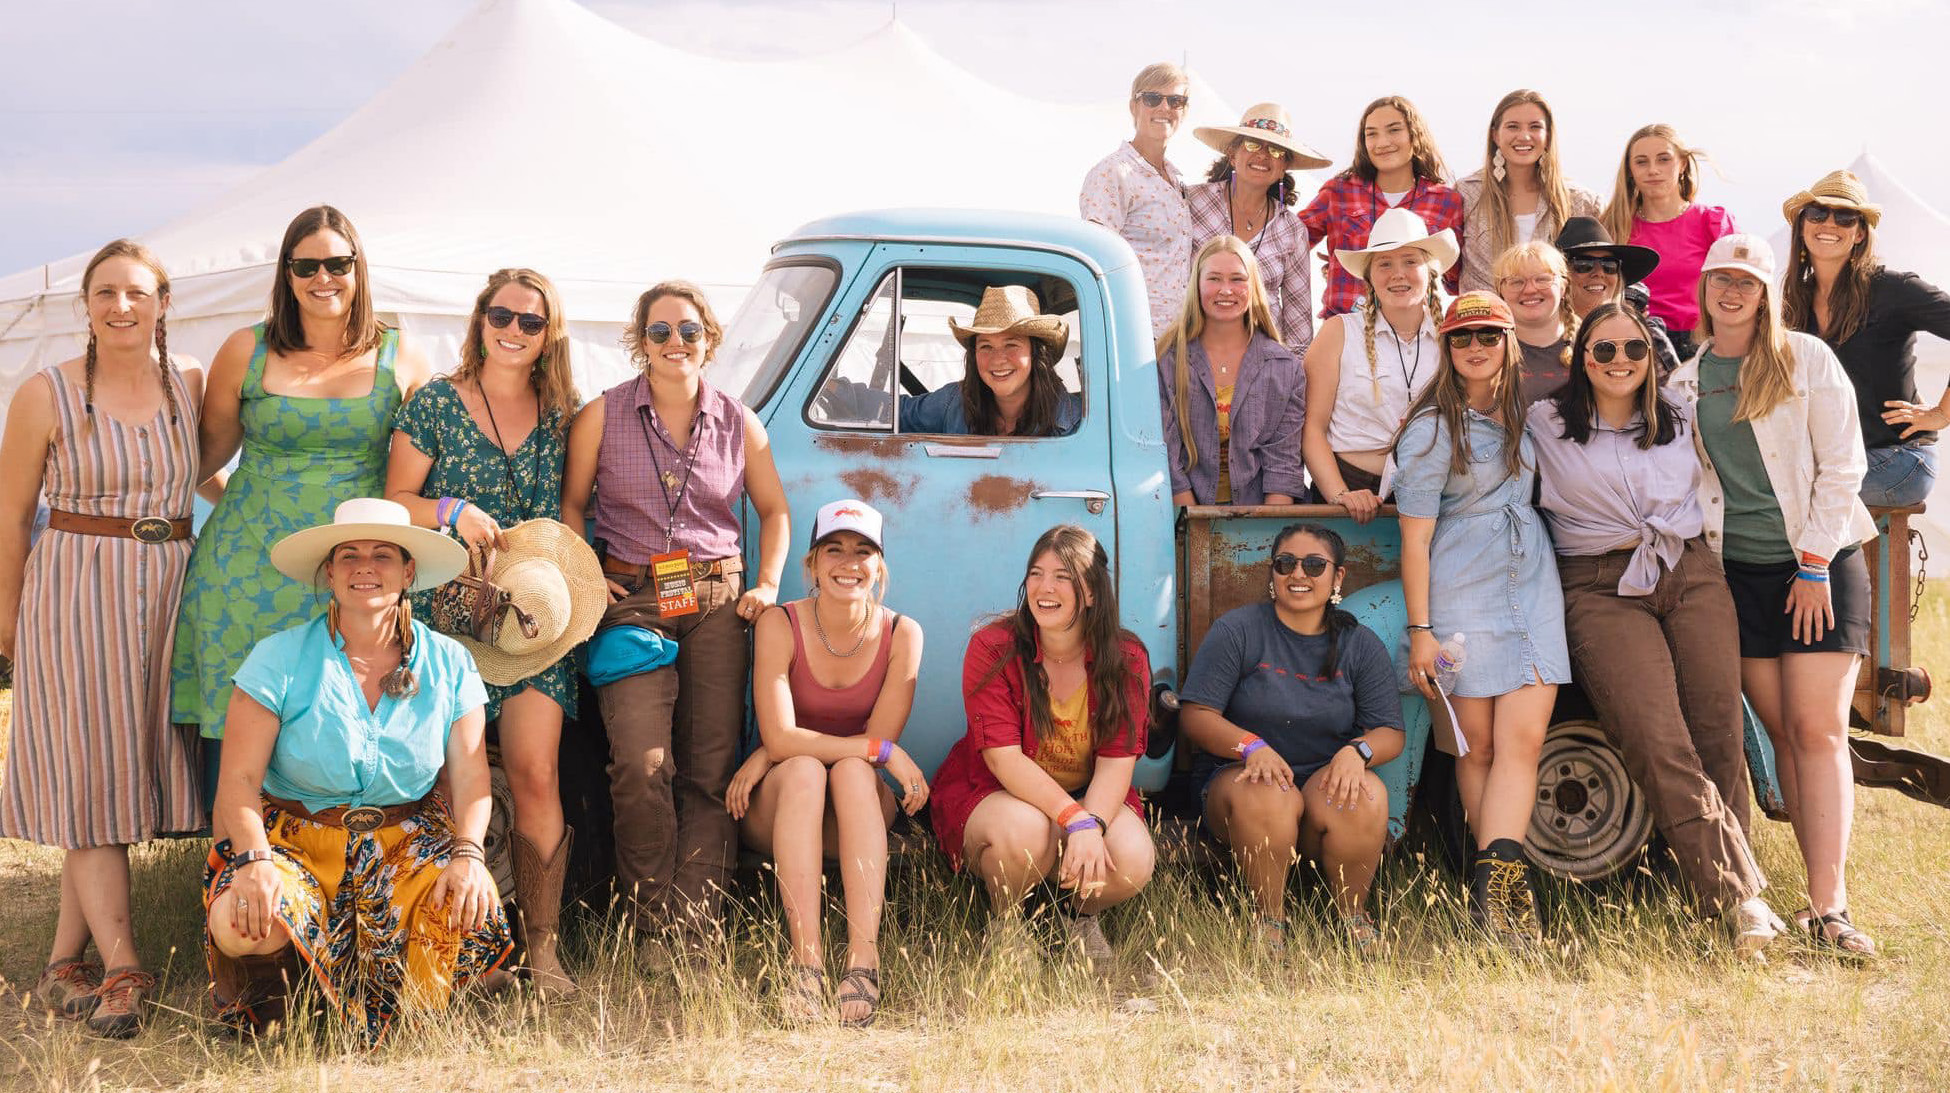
[(1371, 313), (134, 251)]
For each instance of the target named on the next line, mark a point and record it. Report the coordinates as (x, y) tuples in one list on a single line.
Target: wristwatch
[(1362, 749)]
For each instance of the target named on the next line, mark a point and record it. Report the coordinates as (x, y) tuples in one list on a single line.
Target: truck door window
[(858, 391)]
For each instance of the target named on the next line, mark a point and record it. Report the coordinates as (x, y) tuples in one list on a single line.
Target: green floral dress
[(301, 457), (524, 484)]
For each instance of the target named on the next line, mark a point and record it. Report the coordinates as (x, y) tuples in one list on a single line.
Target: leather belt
[(146, 529), (358, 819), (700, 571)]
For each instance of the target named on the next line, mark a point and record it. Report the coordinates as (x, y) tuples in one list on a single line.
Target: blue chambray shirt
[(331, 749)]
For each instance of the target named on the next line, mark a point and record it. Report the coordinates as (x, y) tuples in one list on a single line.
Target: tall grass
[(1631, 994)]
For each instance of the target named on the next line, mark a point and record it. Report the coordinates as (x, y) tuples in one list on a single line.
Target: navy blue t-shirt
[(1265, 678)]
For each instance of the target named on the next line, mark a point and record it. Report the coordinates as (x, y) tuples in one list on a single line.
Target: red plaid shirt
[(1343, 213)]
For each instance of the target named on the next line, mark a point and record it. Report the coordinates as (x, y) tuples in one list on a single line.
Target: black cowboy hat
[(1582, 234)]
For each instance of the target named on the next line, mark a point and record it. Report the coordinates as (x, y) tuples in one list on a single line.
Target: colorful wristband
[(1810, 575), (1809, 558), (1249, 745), (1069, 815), (1084, 824), (440, 508), (879, 751), (460, 506)]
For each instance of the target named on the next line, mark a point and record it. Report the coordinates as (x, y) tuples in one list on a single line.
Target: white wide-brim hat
[(437, 559), (1266, 122), (553, 579), (1395, 229)]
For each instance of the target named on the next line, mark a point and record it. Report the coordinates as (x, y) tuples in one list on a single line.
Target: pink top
[(652, 496), (1682, 243), (836, 711)]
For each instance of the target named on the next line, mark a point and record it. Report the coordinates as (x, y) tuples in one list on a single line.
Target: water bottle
[(1449, 661)]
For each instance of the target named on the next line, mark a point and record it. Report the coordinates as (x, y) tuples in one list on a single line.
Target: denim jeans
[(1900, 475)]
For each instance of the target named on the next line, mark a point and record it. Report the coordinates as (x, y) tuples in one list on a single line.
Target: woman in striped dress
[(88, 616)]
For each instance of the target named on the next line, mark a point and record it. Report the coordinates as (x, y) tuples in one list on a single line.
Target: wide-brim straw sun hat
[(1012, 307), (1837, 190), (1395, 229), (1584, 234), (553, 578), (437, 559), (1266, 122)]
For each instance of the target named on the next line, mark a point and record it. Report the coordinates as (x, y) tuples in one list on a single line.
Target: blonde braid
[(88, 385), (1370, 311), (1567, 317), (1434, 297)]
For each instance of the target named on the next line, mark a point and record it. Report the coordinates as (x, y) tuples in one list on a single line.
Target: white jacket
[(1811, 445)]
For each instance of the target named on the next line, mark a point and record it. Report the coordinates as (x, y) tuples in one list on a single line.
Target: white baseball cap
[(849, 515), (1746, 253)]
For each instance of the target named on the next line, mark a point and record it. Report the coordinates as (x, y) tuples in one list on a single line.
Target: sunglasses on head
[(1606, 351), (1487, 338), (1822, 214), (531, 323), (1313, 565), (660, 332), (1153, 98), (1584, 267), (1254, 147), (338, 265)]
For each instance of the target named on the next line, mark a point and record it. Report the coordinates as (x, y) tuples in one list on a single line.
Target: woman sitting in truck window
[(1294, 693), (1468, 529), (1010, 386), (1040, 787), (812, 790), (1386, 352), (1643, 595), (1233, 397)]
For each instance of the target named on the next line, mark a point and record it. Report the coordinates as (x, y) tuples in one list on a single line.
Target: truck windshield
[(770, 325)]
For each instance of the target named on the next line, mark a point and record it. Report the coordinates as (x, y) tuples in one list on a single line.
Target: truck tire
[(1590, 822)]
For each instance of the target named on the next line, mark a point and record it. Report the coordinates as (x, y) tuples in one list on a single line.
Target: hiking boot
[(1511, 905), (68, 987), (122, 996)]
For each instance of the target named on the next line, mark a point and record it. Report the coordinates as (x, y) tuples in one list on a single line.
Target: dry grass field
[(1632, 997)]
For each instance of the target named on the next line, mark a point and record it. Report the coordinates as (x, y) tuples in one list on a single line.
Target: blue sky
[(121, 116)]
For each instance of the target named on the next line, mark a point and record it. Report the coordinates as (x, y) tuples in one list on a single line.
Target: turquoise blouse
[(331, 749)]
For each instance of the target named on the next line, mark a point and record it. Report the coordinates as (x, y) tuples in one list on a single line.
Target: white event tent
[(540, 134)]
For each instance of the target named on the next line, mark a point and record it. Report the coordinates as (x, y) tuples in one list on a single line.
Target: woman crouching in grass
[(1040, 788)]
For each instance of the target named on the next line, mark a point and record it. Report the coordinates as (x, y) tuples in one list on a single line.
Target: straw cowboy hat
[(436, 558), (1395, 229), (1012, 307), (553, 579), (1837, 190), (1585, 234), (1266, 122)]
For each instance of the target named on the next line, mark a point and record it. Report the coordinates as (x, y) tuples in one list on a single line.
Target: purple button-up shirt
[(1269, 403), (1608, 493), (634, 508)]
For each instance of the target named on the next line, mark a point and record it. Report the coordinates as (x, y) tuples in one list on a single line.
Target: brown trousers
[(1663, 673), (673, 747)]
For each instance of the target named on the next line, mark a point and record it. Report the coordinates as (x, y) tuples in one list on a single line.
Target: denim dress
[(1492, 573)]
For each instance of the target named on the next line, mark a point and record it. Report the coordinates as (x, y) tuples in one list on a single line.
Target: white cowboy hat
[(436, 558), (1395, 229), (1266, 122), (555, 581), (1012, 307)]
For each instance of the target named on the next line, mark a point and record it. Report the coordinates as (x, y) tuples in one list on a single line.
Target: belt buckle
[(364, 820), (701, 571), (151, 529)]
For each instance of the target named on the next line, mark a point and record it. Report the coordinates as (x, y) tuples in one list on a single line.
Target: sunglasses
[(1153, 98), (1821, 214), (531, 323), (1313, 565), (1604, 352), (1254, 147), (1488, 339), (338, 265), (660, 332), (1584, 267)]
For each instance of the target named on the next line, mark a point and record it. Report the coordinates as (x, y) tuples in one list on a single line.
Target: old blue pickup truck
[(861, 303)]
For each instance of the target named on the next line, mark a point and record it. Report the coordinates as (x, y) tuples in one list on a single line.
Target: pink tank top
[(836, 711)]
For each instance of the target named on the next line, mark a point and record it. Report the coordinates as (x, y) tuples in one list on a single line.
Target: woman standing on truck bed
[(1234, 398), (1652, 205), (1366, 367), (670, 458), (1476, 561), (1783, 461), (1520, 193), (1137, 193), (1646, 608), (1294, 693), (1040, 787)]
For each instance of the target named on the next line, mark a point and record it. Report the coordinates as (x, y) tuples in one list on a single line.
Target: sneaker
[(1754, 926), (1087, 934), (68, 987), (118, 1014)]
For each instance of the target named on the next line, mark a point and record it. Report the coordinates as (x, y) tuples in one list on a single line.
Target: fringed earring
[(1496, 166), (332, 617)]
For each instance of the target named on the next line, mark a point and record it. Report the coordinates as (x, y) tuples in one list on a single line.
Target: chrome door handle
[(1094, 500)]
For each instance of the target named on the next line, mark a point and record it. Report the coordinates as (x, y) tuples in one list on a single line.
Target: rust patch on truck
[(878, 447), (997, 493), (875, 486)]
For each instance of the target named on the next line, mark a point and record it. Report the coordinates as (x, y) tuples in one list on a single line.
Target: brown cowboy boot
[(538, 895)]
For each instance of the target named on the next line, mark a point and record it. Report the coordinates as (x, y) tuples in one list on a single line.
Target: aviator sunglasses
[(1584, 267), (1604, 352), (1821, 214), (660, 332), (1254, 147), (499, 317), (338, 265), (1153, 98), (1488, 339), (1313, 565)]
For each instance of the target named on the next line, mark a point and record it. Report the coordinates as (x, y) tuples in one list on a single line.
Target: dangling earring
[(332, 616), (1496, 165), (1335, 599), (484, 343), (1272, 590)]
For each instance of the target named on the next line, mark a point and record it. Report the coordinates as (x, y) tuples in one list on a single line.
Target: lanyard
[(508, 463), (666, 479), (1401, 359)]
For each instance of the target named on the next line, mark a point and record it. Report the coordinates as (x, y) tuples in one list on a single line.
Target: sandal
[(860, 985), (1362, 933), (803, 997), (1270, 933), (1846, 942)]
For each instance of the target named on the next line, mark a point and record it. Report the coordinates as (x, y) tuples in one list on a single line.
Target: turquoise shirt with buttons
[(332, 749)]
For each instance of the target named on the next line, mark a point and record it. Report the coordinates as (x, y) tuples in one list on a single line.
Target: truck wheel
[(1590, 822)]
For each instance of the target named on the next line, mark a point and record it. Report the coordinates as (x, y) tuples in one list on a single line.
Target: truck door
[(962, 511)]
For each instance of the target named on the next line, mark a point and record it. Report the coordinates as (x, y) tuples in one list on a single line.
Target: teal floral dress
[(301, 457), (524, 484)]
